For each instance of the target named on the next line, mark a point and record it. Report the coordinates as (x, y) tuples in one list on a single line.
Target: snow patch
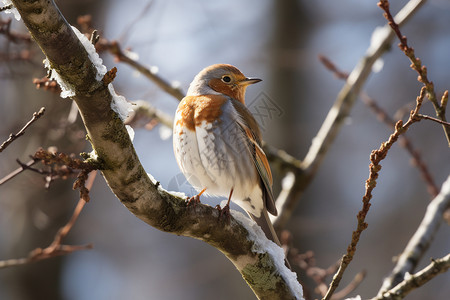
[(67, 89), (93, 55), (93, 154), (354, 298), (13, 10), (130, 131), (119, 104), (262, 245), (160, 188)]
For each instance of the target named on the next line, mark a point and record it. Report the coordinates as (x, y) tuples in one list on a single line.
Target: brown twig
[(341, 108), (67, 164), (120, 56), (16, 172), (47, 84), (375, 158), (382, 115), (307, 262), (13, 137), (55, 248), (15, 37), (417, 66), (420, 116), (405, 142), (146, 115), (102, 44), (332, 67)]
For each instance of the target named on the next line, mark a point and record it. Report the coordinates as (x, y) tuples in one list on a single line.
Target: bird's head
[(221, 79)]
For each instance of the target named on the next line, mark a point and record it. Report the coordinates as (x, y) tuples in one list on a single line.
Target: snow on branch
[(121, 167)]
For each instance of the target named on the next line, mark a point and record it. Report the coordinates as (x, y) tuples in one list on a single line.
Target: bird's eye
[(226, 79)]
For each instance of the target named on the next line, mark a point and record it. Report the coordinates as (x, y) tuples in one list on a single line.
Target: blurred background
[(278, 41)]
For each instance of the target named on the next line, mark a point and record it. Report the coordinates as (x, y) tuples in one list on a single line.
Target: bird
[(217, 144)]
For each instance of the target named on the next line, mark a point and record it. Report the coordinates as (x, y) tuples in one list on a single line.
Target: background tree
[(328, 193)]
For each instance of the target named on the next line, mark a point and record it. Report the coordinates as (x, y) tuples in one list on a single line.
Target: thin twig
[(152, 74), (306, 261), (421, 240), (144, 113), (13, 137), (350, 287), (62, 233), (382, 115), (420, 116), (416, 65), (417, 280), (346, 98), (340, 110), (375, 158), (14, 37), (406, 143), (55, 248), (16, 172), (85, 22)]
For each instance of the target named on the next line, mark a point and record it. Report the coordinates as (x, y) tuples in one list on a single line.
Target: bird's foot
[(224, 212), (194, 200)]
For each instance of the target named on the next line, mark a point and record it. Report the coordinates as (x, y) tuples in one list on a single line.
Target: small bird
[(217, 144)]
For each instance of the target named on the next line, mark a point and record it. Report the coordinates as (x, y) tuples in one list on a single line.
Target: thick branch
[(121, 167)]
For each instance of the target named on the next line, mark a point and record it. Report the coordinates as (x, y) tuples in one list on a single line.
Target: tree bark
[(121, 167)]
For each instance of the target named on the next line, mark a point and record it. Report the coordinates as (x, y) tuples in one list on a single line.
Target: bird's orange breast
[(193, 110)]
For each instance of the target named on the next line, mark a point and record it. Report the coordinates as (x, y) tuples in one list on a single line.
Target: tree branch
[(382, 115), (412, 282), (421, 239), (13, 137), (417, 66), (143, 196), (55, 248), (340, 110), (375, 158)]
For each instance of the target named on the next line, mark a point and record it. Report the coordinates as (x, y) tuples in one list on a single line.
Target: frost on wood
[(263, 245), (358, 297), (130, 131), (66, 88), (12, 10), (119, 104), (93, 55)]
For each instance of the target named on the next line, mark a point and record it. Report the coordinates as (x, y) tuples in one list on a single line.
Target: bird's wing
[(250, 127)]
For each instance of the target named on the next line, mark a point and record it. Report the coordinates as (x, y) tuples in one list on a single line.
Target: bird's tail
[(266, 225)]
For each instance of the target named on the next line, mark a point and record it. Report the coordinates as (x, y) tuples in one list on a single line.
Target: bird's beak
[(248, 81)]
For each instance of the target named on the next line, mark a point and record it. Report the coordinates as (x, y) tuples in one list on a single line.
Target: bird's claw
[(193, 201), (224, 212)]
